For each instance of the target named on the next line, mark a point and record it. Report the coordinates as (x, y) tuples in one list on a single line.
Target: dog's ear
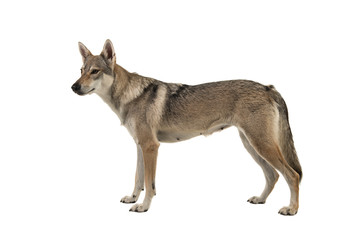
[(84, 51), (108, 53)]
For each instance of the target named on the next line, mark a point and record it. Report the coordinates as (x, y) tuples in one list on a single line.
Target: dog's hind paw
[(138, 208), (288, 211), (129, 199), (256, 200)]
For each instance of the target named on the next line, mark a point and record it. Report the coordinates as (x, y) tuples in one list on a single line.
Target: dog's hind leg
[(270, 173), (265, 143), (139, 179)]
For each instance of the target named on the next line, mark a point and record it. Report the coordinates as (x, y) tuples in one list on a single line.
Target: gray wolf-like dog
[(154, 111)]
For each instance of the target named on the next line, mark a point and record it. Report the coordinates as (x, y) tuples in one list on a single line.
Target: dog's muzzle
[(78, 89)]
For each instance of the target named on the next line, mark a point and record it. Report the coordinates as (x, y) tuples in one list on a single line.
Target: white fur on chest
[(129, 123)]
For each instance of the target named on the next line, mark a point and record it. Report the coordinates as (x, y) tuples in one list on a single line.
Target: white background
[(65, 161)]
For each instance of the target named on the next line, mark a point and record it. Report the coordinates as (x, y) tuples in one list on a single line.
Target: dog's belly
[(170, 136)]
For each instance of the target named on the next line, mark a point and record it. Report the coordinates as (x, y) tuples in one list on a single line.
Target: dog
[(154, 111)]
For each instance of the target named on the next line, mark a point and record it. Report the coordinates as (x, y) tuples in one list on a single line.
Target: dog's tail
[(285, 136)]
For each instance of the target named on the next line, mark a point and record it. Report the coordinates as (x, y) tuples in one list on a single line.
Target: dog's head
[(97, 72)]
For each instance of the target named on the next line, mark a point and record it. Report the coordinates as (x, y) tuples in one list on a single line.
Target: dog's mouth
[(82, 93), (90, 90)]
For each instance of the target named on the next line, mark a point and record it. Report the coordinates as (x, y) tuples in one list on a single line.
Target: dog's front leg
[(150, 151), (139, 179)]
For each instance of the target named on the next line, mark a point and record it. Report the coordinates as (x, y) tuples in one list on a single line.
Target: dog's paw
[(256, 200), (288, 211), (129, 199), (138, 208)]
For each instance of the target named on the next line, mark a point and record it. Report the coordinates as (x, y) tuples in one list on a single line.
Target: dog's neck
[(127, 86), (123, 89), (121, 82), (112, 87)]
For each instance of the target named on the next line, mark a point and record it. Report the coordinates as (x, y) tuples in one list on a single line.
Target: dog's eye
[(95, 71)]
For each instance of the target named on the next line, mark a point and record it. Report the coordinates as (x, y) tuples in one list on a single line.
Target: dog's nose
[(76, 87)]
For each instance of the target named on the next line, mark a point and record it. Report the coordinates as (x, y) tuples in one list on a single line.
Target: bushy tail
[(286, 138)]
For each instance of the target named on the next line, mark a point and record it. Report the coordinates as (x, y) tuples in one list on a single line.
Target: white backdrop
[(65, 161)]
